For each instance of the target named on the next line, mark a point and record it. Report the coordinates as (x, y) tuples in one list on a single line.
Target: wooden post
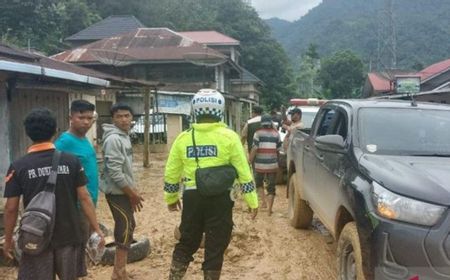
[(238, 116), (155, 114), (146, 126)]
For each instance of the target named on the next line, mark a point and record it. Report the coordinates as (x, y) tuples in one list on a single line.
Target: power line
[(387, 38)]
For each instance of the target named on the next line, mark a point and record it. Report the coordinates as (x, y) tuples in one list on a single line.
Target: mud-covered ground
[(266, 248)]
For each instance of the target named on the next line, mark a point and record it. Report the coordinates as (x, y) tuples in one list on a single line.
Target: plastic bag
[(94, 249)]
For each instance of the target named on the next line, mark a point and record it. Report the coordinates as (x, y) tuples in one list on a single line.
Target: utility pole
[(387, 38)]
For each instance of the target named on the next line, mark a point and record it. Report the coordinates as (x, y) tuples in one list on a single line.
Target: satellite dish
[(112, 57), (205, 59)]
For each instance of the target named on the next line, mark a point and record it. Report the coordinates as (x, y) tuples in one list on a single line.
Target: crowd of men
[(77, 189)]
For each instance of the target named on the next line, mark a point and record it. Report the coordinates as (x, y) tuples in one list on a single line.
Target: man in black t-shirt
[(26, 177)]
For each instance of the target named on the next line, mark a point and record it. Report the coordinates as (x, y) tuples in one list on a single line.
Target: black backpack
[(38, 219)]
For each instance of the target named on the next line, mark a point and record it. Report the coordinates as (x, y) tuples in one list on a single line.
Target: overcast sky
[(285, 9)]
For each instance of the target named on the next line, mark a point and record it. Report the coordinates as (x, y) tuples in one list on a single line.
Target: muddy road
[(266, 248)]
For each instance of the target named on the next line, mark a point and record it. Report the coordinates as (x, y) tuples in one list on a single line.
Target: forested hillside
[(422, 27), (43, 24)]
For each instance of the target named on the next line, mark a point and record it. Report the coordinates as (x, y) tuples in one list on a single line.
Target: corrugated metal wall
[(22, 101)]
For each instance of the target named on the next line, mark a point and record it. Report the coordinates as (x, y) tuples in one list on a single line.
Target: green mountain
[(422, 28)]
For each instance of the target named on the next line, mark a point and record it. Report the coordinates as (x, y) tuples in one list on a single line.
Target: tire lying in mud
[(299, 212), (349, 254), (139, 250)]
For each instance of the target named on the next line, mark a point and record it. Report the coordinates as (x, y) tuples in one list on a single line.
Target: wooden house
[(165, 56)]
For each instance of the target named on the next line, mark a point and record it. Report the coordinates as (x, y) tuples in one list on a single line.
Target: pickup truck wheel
[(349, 254), (300, 214)]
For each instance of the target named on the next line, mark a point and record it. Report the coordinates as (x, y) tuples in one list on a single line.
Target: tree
[(338, 24), (307, 78), (267, 60), (312, 51), (261, 54), (42, 24), (341, 75), (45, 23), (77, 16)]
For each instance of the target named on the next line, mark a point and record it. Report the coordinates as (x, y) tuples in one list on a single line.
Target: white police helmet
[(208, 102)]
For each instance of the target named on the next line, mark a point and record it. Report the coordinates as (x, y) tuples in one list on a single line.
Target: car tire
[(349, 257), (299, 212), (139, 250)]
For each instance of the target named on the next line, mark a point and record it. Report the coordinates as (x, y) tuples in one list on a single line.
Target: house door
[(22, 101)]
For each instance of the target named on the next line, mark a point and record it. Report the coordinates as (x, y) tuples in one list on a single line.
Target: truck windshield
[(308, 118), (405, 131)]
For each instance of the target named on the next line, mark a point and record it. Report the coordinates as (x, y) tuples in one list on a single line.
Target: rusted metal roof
[(110, 26), (211, 38), (8, 52), (14, 55), (379, 82), (434, 70), (383, 82), (143, 44)]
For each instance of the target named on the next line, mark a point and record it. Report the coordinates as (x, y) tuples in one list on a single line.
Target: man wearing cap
[(296, 118)]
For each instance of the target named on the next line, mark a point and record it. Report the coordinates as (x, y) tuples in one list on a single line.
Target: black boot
[(211, 274), (177, 270)]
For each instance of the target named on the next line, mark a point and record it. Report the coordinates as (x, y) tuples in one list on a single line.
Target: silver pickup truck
[(377, 175)]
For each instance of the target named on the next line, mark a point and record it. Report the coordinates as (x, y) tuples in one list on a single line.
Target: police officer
[(209, 215)]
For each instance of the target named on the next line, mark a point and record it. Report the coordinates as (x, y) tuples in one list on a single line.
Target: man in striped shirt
[(264, 155)]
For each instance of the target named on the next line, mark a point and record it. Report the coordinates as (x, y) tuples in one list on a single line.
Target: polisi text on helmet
[(207, 99)]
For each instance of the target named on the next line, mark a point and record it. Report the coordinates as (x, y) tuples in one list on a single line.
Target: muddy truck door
[(331, 160), (312, 160)]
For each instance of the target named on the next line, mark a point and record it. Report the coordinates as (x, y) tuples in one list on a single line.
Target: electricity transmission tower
[(387, 38)]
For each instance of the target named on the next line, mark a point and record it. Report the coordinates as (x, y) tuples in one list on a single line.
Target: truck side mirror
[(331, 143)]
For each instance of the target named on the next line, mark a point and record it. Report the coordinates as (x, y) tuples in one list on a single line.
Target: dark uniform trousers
[(212, 215)]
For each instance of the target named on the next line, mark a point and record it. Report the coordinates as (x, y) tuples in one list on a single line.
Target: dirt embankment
[(267, 248)]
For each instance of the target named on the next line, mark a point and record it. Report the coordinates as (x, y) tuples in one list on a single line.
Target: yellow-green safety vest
[(216, 145)]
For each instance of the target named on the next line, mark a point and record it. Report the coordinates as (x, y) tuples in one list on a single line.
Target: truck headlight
[(396, 207)]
